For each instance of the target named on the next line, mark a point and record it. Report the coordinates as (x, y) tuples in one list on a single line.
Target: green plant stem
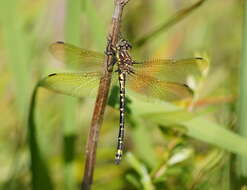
[(39, 171), (72, 35), (242, 170), (172, 21), (16, 43)]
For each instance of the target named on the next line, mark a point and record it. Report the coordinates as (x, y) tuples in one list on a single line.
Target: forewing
[(73, 84), (172, 70), (152, 87), (71, 54)]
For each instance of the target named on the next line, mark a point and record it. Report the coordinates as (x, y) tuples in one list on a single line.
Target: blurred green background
[(173, 149)]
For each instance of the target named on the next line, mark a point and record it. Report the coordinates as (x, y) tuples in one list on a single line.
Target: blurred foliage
[(168, 147)]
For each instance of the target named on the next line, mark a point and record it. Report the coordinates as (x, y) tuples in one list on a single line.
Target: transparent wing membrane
[(161, 78), (73, 55), (171, 70), (149, 86), (73, 84), (85, 84)]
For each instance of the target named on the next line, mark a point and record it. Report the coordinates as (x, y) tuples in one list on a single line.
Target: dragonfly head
[(123, 45)]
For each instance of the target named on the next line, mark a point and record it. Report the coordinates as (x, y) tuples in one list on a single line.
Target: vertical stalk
[(16, 43), (242, 170), (72, 35), (101, 100), (39, 171)]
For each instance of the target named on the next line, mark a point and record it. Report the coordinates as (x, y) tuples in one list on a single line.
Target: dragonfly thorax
[(124, 59), (125, 62)]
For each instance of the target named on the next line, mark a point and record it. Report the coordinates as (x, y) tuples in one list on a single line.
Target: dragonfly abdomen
[(120, 144)]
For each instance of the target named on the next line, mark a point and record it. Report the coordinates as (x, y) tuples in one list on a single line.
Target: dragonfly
[(164, 79)]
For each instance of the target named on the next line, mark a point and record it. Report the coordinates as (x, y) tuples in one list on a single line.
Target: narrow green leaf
[(143, 139), (97, 27), (72, 35), (16, 43), (141, 170), (39, 171), (242, 170), (196, 126)]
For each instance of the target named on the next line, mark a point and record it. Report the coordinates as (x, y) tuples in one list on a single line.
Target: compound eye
[(123, 42)]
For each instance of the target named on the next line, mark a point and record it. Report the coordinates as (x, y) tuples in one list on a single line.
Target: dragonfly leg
[(110, 66), (110, 51), (131, 71), (136, 63)]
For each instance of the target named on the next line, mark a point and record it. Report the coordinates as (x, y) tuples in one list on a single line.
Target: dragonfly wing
[(71, 54), (152, 87), (73, 84), (172, 70)]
